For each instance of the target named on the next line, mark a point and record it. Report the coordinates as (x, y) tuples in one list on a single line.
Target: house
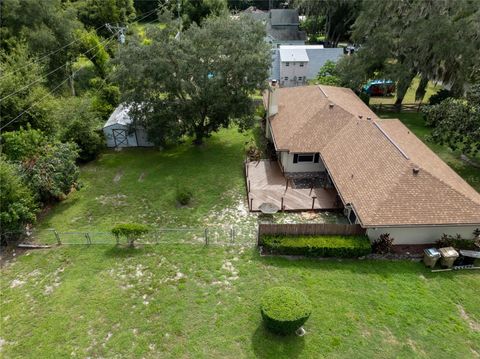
[(386, 179), (283, 28), (119, 130), (294, 65)]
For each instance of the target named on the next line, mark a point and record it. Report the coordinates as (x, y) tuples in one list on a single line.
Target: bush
[(87, 137), (439, 96), (183, 196), (130, 231), (458, 242), (23, 144), (54, 172), (284, 309), (383, 244), (17, 206), (318, 246)]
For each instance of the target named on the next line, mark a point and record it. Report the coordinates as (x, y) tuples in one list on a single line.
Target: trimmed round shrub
[(285, 309)]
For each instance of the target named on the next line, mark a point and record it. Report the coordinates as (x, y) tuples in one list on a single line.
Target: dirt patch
[(116, 200), (474, 325), (118, 176)]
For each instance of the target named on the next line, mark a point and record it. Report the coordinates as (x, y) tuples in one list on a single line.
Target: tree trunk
[(402, 88), (422, 88)]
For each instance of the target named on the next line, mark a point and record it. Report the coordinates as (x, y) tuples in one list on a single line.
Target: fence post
[(313, 201), (206, 236), (281, 206), (57, 236), (251, 204), (87, 237)]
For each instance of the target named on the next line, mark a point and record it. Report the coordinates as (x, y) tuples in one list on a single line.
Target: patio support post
[(251, 204), (313, 201), (281, 206)]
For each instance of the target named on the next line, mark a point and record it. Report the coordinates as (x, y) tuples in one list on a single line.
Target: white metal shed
[(118, 132)]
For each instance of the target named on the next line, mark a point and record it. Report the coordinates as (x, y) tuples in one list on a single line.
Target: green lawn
[(139, 185), (410, 95), (203, 302), (192, 301), (415, 122)]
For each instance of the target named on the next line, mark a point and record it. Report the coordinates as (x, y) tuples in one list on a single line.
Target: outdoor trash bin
[(449, 255), (468, 258), (431, 256)]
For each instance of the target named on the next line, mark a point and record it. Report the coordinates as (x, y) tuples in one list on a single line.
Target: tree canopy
[(196, 83), (438, 40)]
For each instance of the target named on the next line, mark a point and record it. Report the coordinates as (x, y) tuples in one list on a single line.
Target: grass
[(203, 302), (140, 185), (416, 123), (409, 96)]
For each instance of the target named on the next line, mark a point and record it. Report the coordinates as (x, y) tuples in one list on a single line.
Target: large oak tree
[(196, 82)]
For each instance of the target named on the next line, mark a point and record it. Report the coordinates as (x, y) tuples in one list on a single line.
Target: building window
[(301, 64), (286, 78), (297, 157), (300, 78), (352, 217), (287, 63)]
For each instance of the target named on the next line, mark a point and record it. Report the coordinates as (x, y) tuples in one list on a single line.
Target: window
[(301, 64), (287, 63), (306, 157), (286, 78), (300, 78)]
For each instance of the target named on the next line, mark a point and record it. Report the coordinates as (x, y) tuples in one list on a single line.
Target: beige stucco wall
[(288, 165), (420, 235)]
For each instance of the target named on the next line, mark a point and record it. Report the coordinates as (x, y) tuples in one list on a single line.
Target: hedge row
[(318, 246)]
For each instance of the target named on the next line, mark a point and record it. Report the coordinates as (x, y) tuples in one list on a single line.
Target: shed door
[(120, 138)]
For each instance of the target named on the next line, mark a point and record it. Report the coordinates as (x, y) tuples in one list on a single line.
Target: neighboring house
[(387, 179), (294, 65), (283, 28), (255, 13), (119, 131)]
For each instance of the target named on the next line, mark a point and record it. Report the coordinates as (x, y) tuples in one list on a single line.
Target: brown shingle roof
[(371, 161)]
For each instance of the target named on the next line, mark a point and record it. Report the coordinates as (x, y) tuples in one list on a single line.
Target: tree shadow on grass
[(268, 345), (122, 251)]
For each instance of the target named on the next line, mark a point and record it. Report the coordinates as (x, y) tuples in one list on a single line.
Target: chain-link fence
[(211, 235)]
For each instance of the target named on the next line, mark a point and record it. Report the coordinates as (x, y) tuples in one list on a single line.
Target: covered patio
[(267, 184)]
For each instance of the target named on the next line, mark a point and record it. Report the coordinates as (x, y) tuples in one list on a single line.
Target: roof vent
[(330, 105), (416, 170), (369, 118), (360, 117)]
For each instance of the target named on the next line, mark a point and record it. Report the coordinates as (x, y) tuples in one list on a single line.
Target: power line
[(67, 45), (58, 86), (51, 72), (44, 97)]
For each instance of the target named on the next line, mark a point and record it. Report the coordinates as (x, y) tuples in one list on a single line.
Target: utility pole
[(118, 29)]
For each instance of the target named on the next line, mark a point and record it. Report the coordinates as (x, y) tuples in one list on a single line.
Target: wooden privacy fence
[(406, 107), (299, 229)]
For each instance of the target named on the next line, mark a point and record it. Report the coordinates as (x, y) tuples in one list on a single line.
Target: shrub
[(284, 309), (23, 144), (439, 96), (318, 246), (183, 196), (87, 137), (130, 231), (458, 242), (53, 173), (17, 206), (383, 244)]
